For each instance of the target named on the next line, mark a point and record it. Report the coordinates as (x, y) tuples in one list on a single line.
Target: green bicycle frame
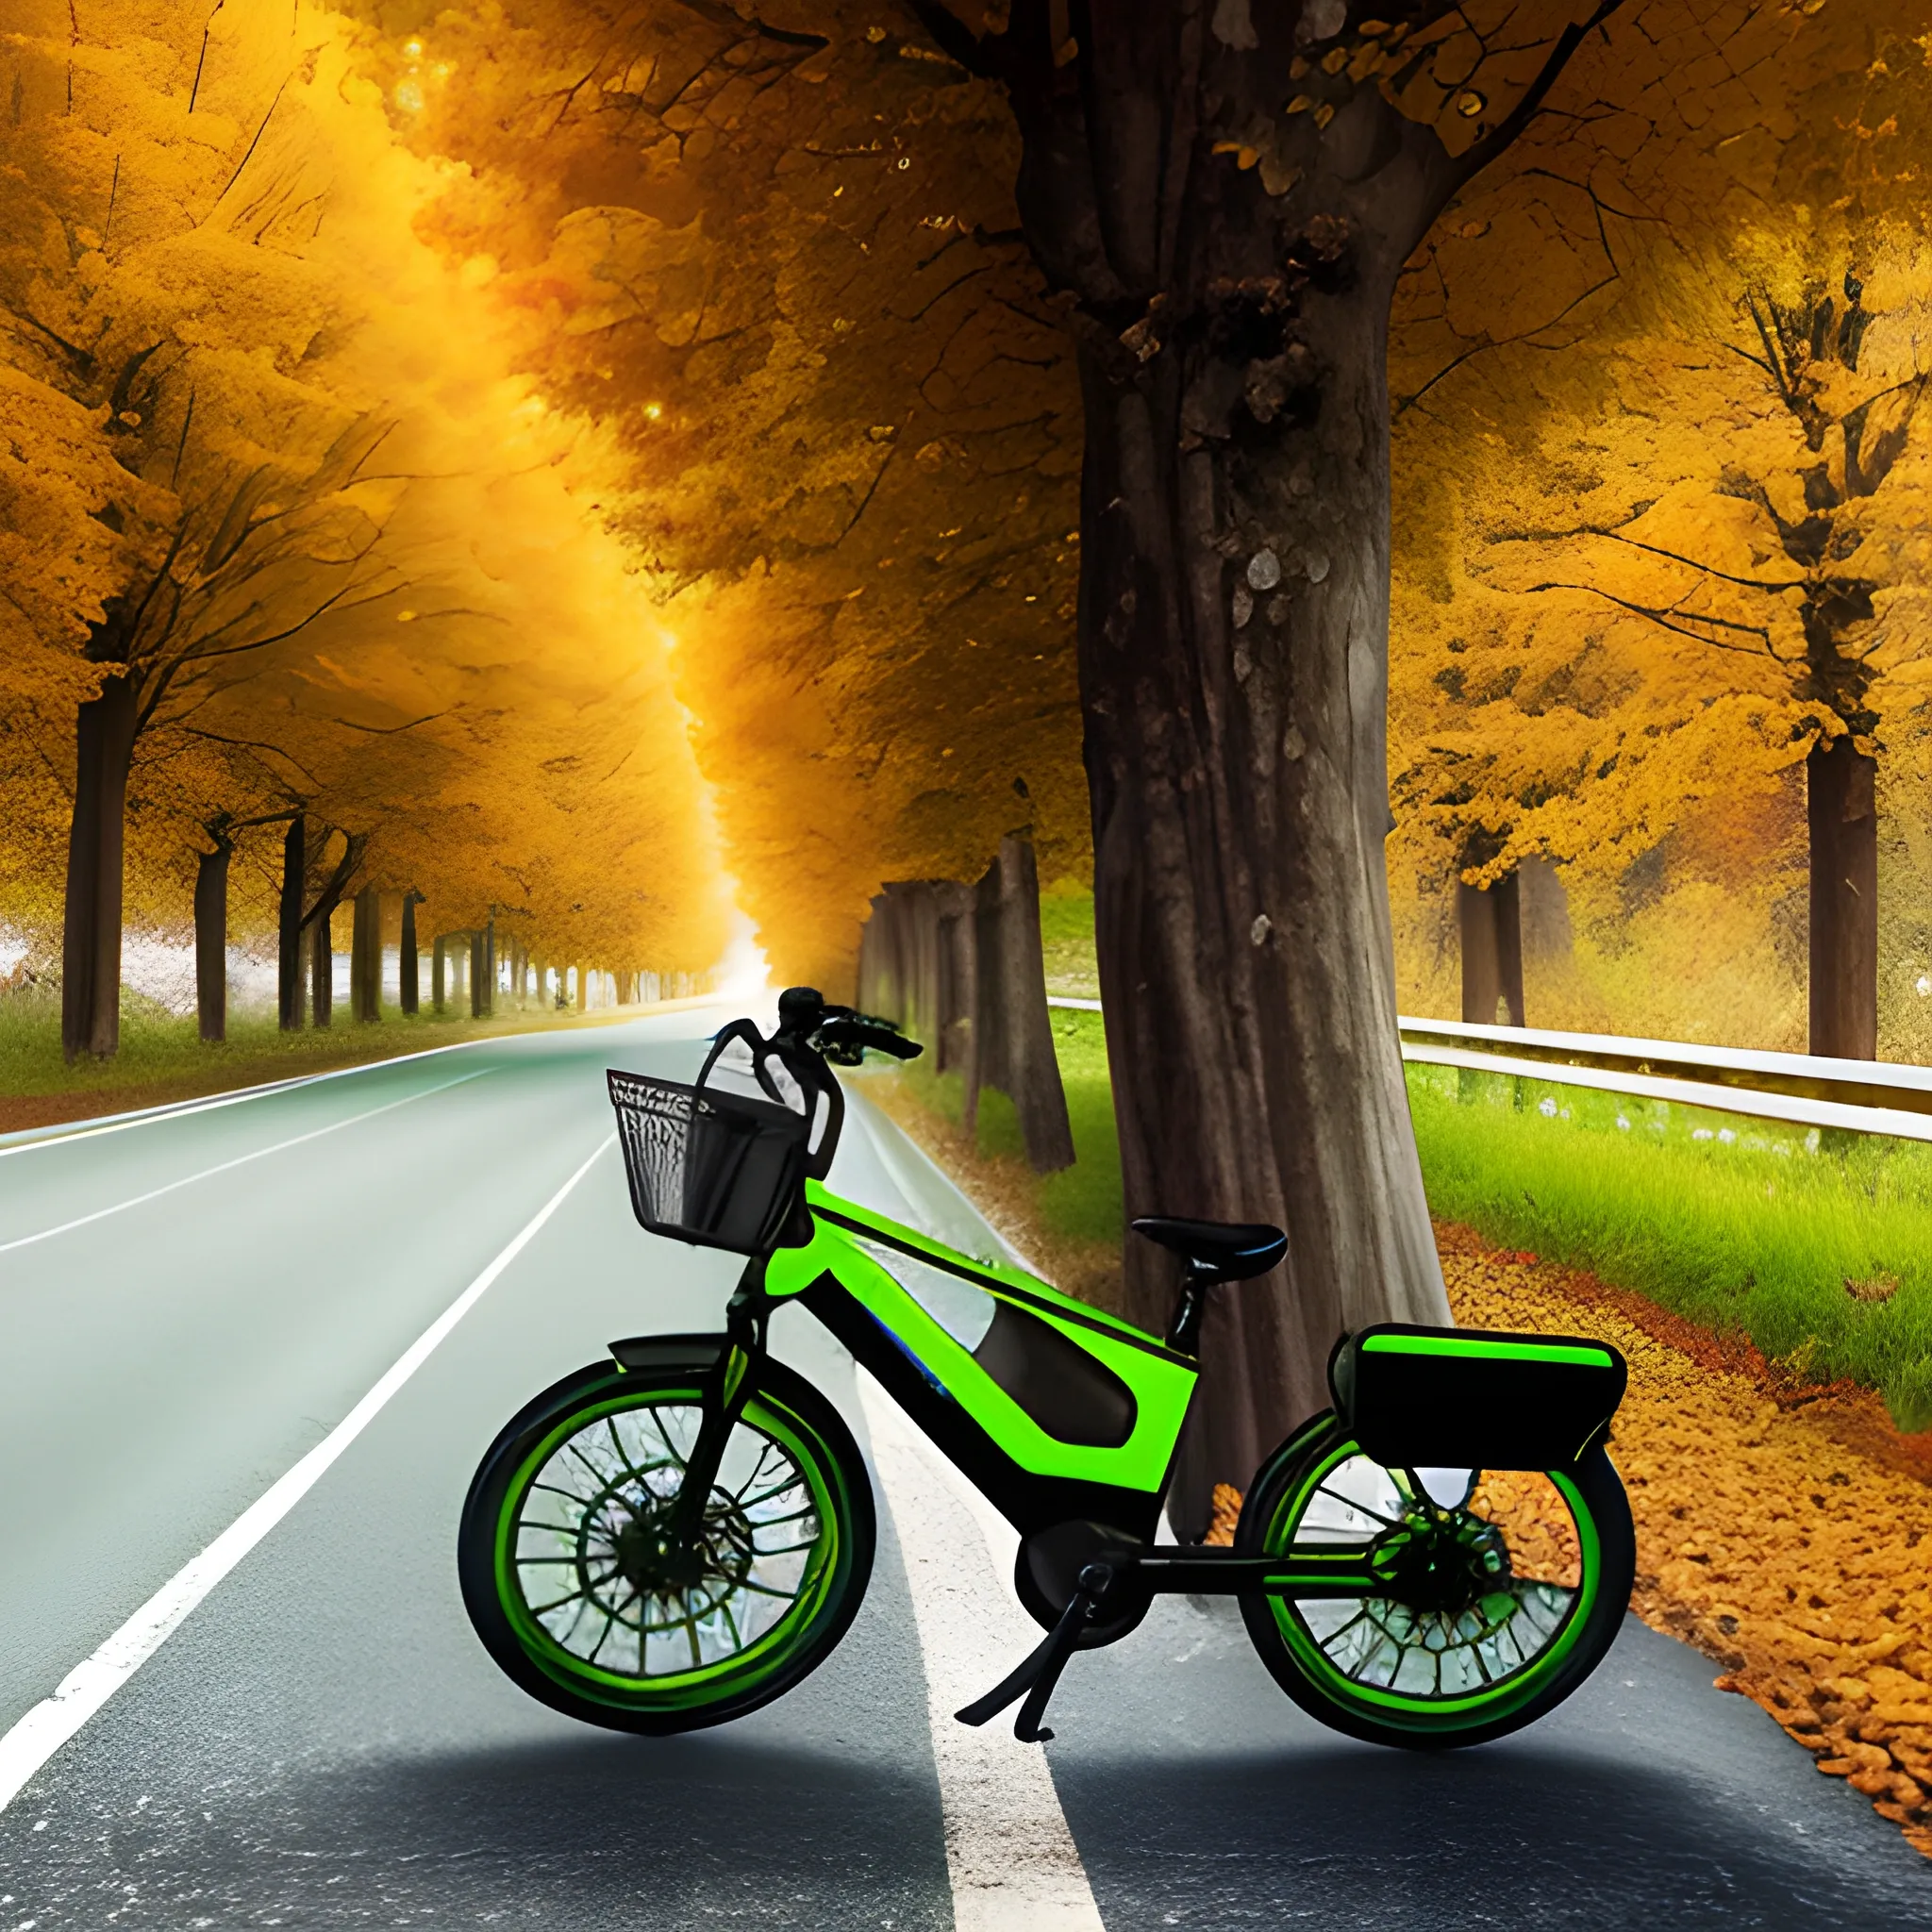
[(1054, 1410)]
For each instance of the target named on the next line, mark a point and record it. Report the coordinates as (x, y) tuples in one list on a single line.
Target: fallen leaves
[(1793, 1558)]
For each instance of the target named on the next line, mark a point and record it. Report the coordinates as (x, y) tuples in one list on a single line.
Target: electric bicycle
[(683, 1531)]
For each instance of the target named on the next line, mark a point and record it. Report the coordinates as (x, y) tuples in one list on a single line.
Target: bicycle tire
[(594, 1420), (1312, 1667)]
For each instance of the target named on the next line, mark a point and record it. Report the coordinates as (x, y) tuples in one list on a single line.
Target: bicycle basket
[(705, 1167)]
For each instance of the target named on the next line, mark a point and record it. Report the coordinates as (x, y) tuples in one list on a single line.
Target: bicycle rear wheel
[(1505, 1587), (566, 1580)]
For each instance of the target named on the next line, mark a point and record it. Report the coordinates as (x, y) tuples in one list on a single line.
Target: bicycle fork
[(727, 1387)]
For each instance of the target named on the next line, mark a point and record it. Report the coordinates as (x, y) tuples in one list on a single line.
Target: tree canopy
[(273, 470)]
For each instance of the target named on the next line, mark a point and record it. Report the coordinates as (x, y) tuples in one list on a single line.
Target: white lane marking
[(1012, 1862), (86, 1687), (47, 1234)]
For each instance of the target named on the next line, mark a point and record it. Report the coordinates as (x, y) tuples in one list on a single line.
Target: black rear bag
[(1472, 1398)]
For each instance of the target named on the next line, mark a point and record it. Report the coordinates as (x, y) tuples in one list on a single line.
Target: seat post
[(1183, 1331)]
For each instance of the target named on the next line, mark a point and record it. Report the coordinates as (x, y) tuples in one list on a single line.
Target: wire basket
[(709, 1168)]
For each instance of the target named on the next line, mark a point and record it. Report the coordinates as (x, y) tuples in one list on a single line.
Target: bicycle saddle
[(1227, 1250)]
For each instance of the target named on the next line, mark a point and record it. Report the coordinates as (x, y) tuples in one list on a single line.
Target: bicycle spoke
[(1361, 1508), (605, 1489)]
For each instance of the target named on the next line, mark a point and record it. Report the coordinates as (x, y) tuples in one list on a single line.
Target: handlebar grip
[(854, 1032)]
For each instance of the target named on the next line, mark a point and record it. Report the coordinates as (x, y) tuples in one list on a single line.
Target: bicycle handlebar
[(810, 1033)]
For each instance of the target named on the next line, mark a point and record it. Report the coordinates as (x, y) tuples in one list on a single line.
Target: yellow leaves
[(395, 586)]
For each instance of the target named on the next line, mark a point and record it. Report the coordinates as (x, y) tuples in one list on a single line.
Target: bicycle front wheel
[(565, 1576), (1502, 1588)]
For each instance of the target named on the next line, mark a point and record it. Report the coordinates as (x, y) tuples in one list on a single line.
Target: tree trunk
[(408, 988), (1841, 808), (479, 992), (212, 938), (288, 925), (583, 988), (1232, 328), (1011, 1039), (958, 978), (365, 957), (90, 941), (1490, 922), (322, 977), (438, 978)]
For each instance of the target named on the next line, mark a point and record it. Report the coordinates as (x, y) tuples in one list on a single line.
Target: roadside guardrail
[(1806, 1089)]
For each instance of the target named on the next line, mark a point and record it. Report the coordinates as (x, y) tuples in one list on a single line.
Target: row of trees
[(960, 966), (310, 595), (1663, 563)]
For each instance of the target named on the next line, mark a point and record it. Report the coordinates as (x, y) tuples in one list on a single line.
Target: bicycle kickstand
[(1039, 1673)]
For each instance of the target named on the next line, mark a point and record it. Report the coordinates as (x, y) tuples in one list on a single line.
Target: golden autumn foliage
[(582, 444), (1661, 478), (778, 259), (270, 463)]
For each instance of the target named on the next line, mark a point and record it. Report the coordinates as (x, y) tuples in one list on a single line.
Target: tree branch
[(956, 40), (1509, 128)]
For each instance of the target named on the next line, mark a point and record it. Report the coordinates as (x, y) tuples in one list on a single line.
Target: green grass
[(1066, 938), (1737, 1224)]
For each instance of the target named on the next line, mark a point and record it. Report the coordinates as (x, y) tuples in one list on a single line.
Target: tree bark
[(1841, 808), (365, 957), (212, 938), (479, 989), (322, 977), (958, 978), (91, 940), (1233, 650), (1490, 922), (1011, 1039), (288, 925), (408, 987), (438, 975)]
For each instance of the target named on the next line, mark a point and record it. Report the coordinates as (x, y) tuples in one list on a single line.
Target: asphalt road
[(324, 1743)]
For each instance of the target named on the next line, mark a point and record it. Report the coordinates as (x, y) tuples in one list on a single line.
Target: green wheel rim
[(587, 1474), (1553, 1616)]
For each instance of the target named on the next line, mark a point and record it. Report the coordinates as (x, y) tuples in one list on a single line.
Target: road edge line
[(58, 1133), (41, 1732), (187, 1180)]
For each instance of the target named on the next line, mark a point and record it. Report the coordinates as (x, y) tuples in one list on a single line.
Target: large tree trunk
[(479, 976), (90, 940), (365, 957), (289, 924), (1841, 805), (407, 986), (1232, 327), (1490, 923), (212, 938)]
